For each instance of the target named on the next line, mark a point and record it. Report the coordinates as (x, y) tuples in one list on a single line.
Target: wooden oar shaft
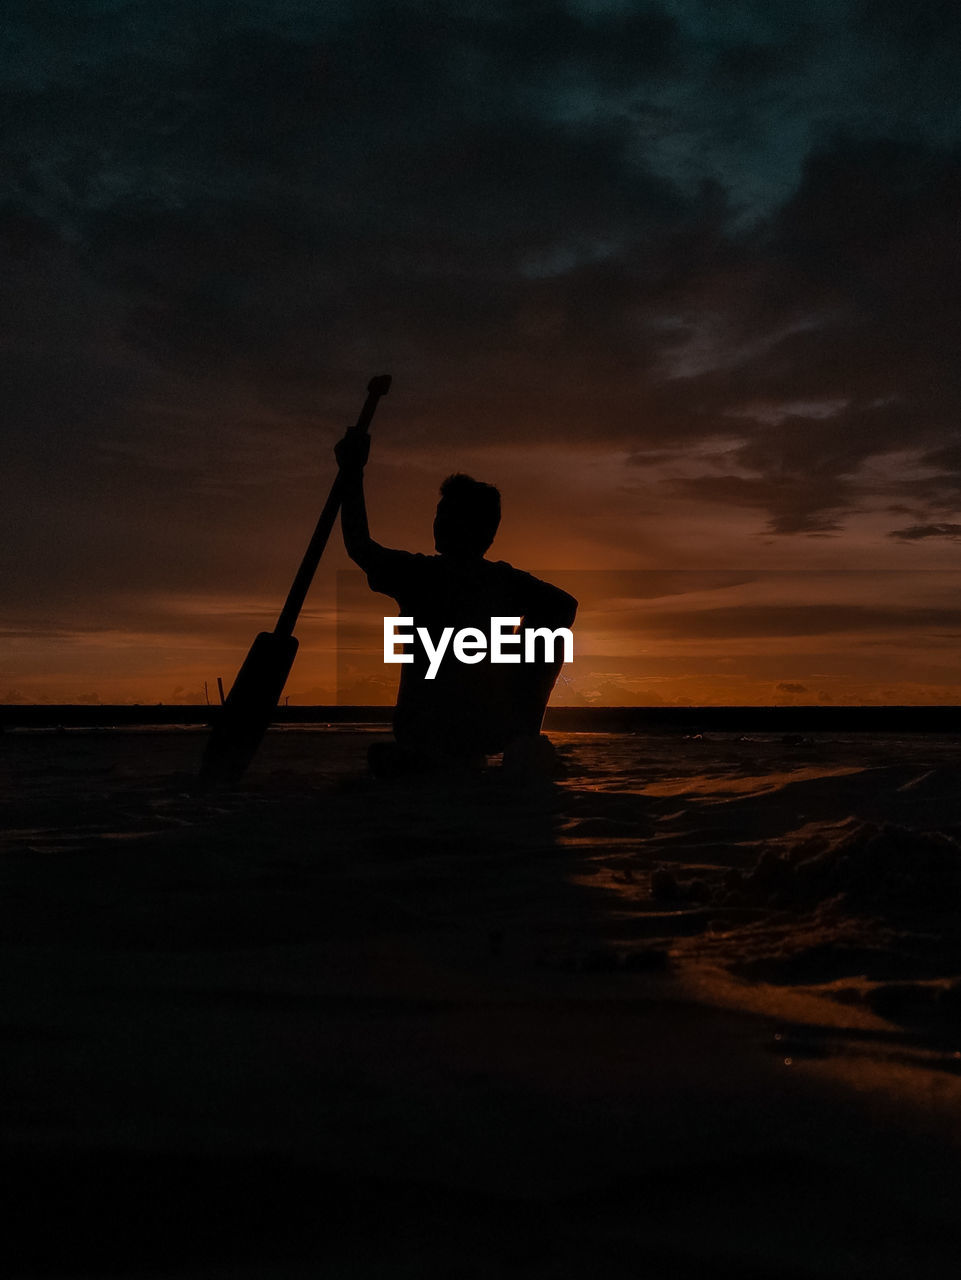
[(315, 549)]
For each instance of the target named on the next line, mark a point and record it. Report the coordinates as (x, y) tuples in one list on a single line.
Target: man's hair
[(469, 512)]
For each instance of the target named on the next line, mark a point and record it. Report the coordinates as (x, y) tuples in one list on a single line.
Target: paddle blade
[(242, 721)]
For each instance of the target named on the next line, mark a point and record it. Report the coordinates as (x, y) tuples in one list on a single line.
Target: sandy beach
[(693, 1009)]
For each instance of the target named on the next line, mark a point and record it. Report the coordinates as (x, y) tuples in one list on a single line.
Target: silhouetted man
[(466, 711)]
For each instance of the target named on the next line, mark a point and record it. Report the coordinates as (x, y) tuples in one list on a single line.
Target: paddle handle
[(376, 388)]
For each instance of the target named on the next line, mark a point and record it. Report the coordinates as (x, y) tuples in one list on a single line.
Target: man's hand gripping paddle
[(249, 707)]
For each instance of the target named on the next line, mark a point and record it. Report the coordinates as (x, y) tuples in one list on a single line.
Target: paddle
[(242, 721)]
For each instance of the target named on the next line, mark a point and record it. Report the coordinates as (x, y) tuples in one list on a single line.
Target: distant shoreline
[(670, 720)]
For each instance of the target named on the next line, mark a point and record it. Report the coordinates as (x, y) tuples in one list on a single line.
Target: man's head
[(467, 517)]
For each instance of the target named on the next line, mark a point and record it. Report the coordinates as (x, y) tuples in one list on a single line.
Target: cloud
[(790, 502), (797, 620), (920, 532), (583, 229), (790, 686)]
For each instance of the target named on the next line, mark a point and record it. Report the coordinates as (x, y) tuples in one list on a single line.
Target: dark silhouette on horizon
[(466, 712)]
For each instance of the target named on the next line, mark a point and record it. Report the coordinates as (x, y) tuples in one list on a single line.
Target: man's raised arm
[(351, 453)]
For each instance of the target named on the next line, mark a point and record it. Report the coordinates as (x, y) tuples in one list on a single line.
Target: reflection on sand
[(323, 1011)]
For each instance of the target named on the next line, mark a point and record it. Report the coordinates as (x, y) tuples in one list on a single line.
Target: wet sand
[(691, 1010)]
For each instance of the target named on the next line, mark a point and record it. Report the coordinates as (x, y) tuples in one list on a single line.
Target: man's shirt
[(443, 591)]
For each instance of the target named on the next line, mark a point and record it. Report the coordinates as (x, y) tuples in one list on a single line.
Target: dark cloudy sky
[(683, 278)]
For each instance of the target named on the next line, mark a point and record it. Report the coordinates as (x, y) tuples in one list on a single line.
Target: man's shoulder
[(390, 570), (395, 557), (534, 594), (509, 573), (507, 570), (395, 553)]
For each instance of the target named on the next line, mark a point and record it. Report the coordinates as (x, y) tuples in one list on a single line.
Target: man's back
[(467, 708)]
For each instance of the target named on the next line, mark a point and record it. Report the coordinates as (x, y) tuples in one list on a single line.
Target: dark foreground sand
[(691, 1011)]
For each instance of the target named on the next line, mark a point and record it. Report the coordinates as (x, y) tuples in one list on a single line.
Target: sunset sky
[(682, 278)]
